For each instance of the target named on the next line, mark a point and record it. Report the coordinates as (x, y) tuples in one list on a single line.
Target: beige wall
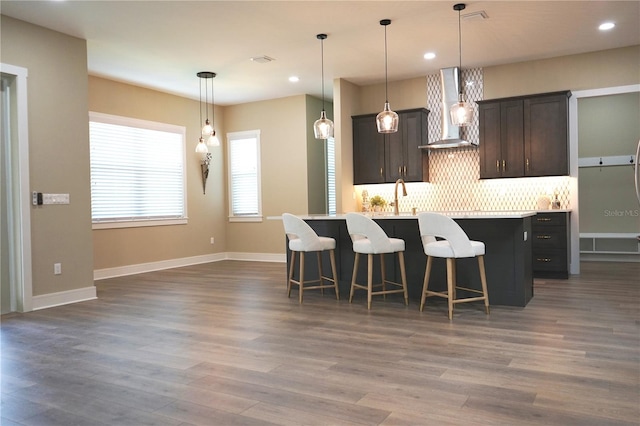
[(346, 103), (206, 212), (58, 151), (607, 68), (316, 158), (404, 94), (608, 126), (283, 148)]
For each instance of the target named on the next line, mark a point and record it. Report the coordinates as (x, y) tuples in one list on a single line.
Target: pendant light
[(323, 127), (387, 120), (461, 112), (207, 131)]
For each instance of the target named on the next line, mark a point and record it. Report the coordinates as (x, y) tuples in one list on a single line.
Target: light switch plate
[(55, 198)]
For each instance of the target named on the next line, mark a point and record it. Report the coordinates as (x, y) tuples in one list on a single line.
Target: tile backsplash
[(455, 174)]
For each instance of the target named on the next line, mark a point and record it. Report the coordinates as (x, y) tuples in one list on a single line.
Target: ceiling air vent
[(262, 59)]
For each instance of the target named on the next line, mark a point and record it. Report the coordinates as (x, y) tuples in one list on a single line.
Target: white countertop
[(476, 214)]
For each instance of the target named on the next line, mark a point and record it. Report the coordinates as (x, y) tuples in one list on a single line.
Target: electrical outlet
[(212, 240), (57, 268)]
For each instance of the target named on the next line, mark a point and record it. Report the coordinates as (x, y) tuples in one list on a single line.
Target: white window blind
[(331, 176), (137, 171), (244, 175)]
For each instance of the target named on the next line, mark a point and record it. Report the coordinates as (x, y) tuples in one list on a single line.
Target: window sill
[(245, 218)]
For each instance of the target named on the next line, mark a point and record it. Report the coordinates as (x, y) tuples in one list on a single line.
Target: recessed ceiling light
[(294, 79), (429, 55), (606, 26)]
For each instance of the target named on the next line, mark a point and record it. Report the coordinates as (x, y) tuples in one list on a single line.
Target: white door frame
[(19, 199), (573, 149)]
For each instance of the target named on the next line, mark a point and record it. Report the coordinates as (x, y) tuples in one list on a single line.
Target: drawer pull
[(543, 259), (543, 237), (543, 219)]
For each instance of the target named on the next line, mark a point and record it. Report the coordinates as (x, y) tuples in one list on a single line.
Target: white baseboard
[(602, 257), (63, 298), (119, 271), (101, 274), (258, 257)]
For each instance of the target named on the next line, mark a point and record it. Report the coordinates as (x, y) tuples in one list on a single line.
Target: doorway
[(15, 213)]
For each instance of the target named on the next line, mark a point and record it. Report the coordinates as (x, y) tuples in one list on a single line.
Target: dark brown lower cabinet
[(551, 245)]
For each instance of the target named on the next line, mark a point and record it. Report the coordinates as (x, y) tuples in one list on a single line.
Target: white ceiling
[(163, 44)]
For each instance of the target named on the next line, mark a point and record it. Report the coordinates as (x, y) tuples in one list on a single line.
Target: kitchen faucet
[(396, 211)]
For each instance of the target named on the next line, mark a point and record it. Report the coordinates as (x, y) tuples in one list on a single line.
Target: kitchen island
[(508, 259)]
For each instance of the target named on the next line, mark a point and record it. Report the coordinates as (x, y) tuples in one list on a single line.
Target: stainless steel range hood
[(449, 82)]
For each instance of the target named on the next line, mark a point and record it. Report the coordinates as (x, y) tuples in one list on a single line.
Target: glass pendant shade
[(461, 112), (213, 140), (207, 129), (323, 127), (201, 148), (387, 120)]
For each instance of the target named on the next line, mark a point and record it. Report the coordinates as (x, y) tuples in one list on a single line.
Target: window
[(244, 176), (137, 172), (331, 175)]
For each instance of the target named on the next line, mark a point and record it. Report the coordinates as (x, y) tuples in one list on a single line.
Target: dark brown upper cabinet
[(384, 158), (524, 136)]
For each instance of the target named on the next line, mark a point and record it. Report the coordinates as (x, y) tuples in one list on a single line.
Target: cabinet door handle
[(404, 170), (504, 165), (543, 219), (498, 166), (400, 170), (380, 171), (527, 164), (543, 259), (543, 237)]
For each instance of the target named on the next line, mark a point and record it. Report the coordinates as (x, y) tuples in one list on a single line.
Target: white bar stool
[(369, 238), (454, 244), (302, 239)]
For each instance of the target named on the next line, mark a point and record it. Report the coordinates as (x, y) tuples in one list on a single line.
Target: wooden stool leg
[(450, 285), (301, 280), (369, 279), (291, 266), (353, 276), (332, 257), (403, 275), (383, 274), (425, 284), (454, 278), (319, 255), (483, 279)]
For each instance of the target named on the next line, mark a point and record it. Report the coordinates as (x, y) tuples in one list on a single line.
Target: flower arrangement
[(377, 201)]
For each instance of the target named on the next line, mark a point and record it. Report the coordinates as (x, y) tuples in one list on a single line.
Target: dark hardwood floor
[(221, 344)]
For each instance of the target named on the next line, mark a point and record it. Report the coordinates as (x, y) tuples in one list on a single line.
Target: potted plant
[(377, 202)]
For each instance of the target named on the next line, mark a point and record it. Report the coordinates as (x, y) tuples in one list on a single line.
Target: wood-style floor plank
[(221, 344)]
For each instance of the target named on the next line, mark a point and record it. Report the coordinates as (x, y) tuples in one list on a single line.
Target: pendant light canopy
[(323, 127), (387, 120), (461, 112), (208, 133)]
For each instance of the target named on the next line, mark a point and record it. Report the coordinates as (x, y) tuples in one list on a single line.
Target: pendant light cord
[(200, 101), (206, 96), (459, 54), (386, 83), (213, 106), (322, 65)]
